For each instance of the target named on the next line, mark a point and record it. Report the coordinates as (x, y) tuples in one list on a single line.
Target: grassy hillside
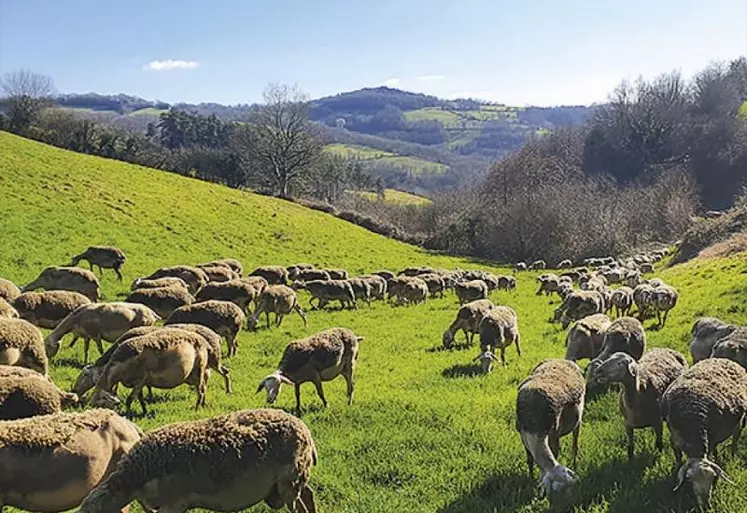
[(426, 433), (396, 197), (366, 154)]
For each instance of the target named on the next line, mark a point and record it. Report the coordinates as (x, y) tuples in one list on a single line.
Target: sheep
[(633, 279), (47, 309), (311, 274), (414, 291), (104, 257), (663, 299), (194, 277), (320, 357), (703, 407), (471, 291), (468, 320), (643, 297), (337, 274), (6, 310), (549, 405), (643, 384), (31, 395), (224, 463), (387, 275), (99, 321), (257, 282), (378, 286), (223, 317), (519, 267), (624, 335), (293, 270), (50, 463), (273, 274), (435, 283), (490, 279), (162, 300), (231, 263), (578, 305), (164, 358), (506, 283), (647, 268), (325, 291), (277, 299), (486, 359), (574, 275), (67, 278), (212, 339), (549, 283), (622, 300), (565, 264), (499, 328), (538, 265), (237, 291), (411, 272), (565, 289), (585, 338), (733, 347), (8, 290), (361, 289), (220, 273), (22, 345), (395, 286), (166, 281), (706, 332)]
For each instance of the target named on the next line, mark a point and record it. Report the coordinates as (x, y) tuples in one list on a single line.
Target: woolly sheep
[(293, 270), (538, 265), (163, 300), (624, 335), (622, 300), (378, 286), (549, 405), (733, 347), (468, 320), (703, 407), (565, 264), (643, 297), (578, 305), (30, 396), (318, 358), (257, 282), (274, 274), (395, 286), (414, 291), (519, 267), (471, 291), (231, 263), (585, 338), (549, 283), (499, 328), (50, 463), (6, 310), (225, 463), (311, 274), (325, 291), (506, 283), (223, 317), (67, 278), (220, 273), (194, 277), (277, 299), (8, 290), (22, 345), (435, 283), (663, 299), (706, 332), (104, 257), (361, 289), (47, 309), (237, 292), (387, 275), (643, 384), (416, 271), (166, 281)]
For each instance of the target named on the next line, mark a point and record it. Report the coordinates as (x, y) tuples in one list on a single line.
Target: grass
[(413, 164), (469, 118), (425, 434), (148, 111), (396, 197), (354, 151)]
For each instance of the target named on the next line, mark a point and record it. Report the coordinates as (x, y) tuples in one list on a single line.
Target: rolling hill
[(426, 433)]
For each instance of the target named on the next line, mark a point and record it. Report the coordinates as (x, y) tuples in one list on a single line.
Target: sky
[(519, 52)]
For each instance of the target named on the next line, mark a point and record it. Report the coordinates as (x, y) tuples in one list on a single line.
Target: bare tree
[(26, 94), (279, 142)]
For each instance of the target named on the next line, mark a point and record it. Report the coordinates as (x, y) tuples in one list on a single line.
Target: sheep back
[(47, 309)]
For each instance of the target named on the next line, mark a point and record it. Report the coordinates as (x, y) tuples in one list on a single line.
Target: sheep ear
[(633, 368), (360, 339), (477, 357), (261, 386)]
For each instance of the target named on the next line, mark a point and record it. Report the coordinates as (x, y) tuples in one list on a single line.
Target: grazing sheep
[(647, 268), (395, 286), (273, 274), (321, 357), (706, 332), (30, 396), (549, 283), (486, 359), (435, 283), (519, 267), (468, 320), (506, 283), (643, 298), (224, 463), (104, 257), (163, 300), (237, 292), (703, 407), (622, 300), (565, 289), (22, 345), (8, 290), (643, 384), (499, 328), (550, 404), (166, 281), (633, 279), (387, 275), (565, 264), (223, 317), (361, 289), (663, 299), (277, 299), (378, 286), (162, 359), (624, 335), (212, 339), (257, 282), (6, 310), (325, 291), (733, 347), (231, 263), (538, 265), (578, 305), (414, 291), (194, 277), (220, 273), (416, 271), (293, 270), (337, 274), (471, 291), (48, 309), (50, 463), (67, 278), (586, 336), (311, 275), (99, 321)]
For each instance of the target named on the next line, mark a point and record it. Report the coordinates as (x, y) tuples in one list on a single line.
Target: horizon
[(521, 55)]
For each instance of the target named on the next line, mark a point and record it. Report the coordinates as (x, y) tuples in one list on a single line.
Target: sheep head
[(702, 474), (557, 479), (51, 346), (103, 399), (271, 384), (87, 379), (619, 367), (447, 338), (486, 360)]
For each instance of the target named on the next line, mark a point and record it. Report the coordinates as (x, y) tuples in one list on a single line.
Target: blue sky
[(541, 52)]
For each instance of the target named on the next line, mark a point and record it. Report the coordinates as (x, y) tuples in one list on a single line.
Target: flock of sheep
[(52, 460)]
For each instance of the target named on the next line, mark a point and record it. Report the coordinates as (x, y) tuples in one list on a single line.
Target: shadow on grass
[(461, 370), (504, 493)]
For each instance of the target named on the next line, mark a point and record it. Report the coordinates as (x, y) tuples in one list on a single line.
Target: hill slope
[(426, 433)]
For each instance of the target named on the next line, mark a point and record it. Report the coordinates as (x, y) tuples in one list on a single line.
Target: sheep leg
[(297, 390), (629, 431), (297, 308), (223, 371), (278, 319), (306, 501), (119, 274), (530, 462), (73, 341), (554, 443), (659, 430), (666, 313), (574, 446), (86, 346), (267, 313), (99, 345), (677, 456), (137, 391), (503, 356), (735, 438), (518, 344), (350, 380), (320, 392)]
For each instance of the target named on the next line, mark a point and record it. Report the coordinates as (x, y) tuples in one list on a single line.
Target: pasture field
[(148, 111), (354, 151), (426, 433), (363, 153), (396, 197)]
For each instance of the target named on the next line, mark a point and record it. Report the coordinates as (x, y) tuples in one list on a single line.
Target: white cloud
[(170, 64), (393, 82), (431, 77)]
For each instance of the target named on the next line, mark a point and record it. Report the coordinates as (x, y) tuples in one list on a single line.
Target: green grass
[(364, 153), (354, 151), (396, 197), (454, 118), (743, 111), (149, 111), (424, 433)]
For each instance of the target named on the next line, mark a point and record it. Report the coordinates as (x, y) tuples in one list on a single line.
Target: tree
[(26, 94), (279, 142)]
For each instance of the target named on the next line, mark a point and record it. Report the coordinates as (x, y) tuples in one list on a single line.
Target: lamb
[(361, 289), (663, 299), (166, 281), (274, 274), (50, 463), (31, 395), (277, 299), (321, 357), (6, 310), (231, 263), (585, 338), (622, 300), (538, 265), (223, 317), (8, 290), (325, 291), (163, 359), (550, 404), (67, 278), (194, 277), (468, 320), (706, 405), (624, 335), (311, 274), (499, 328), (22, 345), (224, 463), (48, 309), (237, 292), (104, 257), (733, 347), (565, 264), (378, 286), (519, 267), (220, 273), (643, 384), (706, 332), (578, 305), (99, 321), (471, 291), (414, 291)]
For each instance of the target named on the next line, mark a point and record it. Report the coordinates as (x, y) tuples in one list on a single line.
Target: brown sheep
[(6, 310), (8, 290), (22, 345), (223, 317), (274, 274), (471, 291), (48, 309), (31, 396), (468, 320), (194, 277), (277, 299), (67, 278), (231, 263), (162, 300), (239, 292), (104, 257), (166, 281), (220, 273)]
